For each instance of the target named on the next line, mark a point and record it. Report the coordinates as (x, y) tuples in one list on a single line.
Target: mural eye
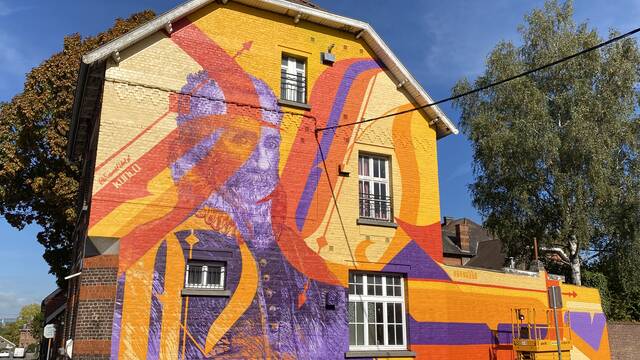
[(272, 143), (242, 139)]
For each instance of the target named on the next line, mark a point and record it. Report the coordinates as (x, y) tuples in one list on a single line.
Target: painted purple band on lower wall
[(453, 333)]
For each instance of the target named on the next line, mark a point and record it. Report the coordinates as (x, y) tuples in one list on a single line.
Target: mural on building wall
[(223, 185)]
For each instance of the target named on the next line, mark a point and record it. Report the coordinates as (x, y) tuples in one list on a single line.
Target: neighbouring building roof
[(489, 255), (6, 342), (302, 10), (451, 242), (53, 305)]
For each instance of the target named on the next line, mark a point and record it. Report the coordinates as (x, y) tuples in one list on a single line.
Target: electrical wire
[(482, 88), (335, 202)]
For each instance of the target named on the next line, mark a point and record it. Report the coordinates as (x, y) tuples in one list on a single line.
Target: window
[(201, 275), (293, 79), (376, 312), (375, 194)]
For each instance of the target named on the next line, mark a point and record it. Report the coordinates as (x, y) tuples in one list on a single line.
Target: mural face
[(215, 171)]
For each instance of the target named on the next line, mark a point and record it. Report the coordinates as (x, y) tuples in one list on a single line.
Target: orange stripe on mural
[(287, 199), (426, 236), (239, 302)]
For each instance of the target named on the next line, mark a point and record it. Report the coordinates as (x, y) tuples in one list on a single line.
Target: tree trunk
[(574, 256)]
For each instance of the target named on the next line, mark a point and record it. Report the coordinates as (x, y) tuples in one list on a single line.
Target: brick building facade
[(232, 208)]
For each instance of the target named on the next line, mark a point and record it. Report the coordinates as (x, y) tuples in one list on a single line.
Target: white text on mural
[(130, 172)]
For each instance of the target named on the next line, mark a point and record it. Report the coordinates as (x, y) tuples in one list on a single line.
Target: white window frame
[(290, 72), (385, 299), (205, 275), (372, 180)]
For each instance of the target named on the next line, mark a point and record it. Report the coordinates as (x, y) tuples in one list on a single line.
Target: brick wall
[(623, 339), (94, 318)]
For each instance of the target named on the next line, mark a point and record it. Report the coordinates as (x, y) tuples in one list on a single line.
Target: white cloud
[(465, 170), (459, 35), (14, 64), (10, 303), (6, 10)]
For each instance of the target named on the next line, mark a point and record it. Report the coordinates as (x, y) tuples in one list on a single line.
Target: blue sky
[(438, 41)]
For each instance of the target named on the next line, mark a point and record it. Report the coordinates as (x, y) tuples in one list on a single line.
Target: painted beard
[(250, 186)]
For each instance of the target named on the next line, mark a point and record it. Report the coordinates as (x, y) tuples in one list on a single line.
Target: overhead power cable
[(482, 88)]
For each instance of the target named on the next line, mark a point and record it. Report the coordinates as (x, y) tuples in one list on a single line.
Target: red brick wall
[(623, 339), (96, 302)]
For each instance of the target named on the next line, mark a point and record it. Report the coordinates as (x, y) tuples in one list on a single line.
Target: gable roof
[(301, 10)]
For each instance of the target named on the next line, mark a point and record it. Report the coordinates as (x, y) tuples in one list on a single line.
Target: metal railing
[(293, 87), (532, 332), (205, 277), (375, 207)]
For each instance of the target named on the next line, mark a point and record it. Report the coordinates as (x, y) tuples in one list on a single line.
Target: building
[(467, 243), (6, 344), (462, 240), (53, 308), (232, 209), (26, 337)]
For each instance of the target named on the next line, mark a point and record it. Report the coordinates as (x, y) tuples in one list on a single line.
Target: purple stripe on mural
[(453, 333), (505, 334), (422, 266), (268, 101), (155, 318), (117, 318), (588, 328), (307, 196), (206, 98), (348, 78), (443, 333), (190, 159)]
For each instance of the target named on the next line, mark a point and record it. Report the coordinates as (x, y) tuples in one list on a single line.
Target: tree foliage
[(29, 315), (37, 183), (37, 326), (556, 153)]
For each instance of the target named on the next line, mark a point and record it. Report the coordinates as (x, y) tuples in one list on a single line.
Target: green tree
[(11, 332), (37, 326), (37, 183), (555, 152), (29, 314)]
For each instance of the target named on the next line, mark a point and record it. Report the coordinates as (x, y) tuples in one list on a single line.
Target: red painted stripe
[(235, 83), (485, 285)]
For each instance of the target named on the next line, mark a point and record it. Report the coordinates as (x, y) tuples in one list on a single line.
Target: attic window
[(293, 79)]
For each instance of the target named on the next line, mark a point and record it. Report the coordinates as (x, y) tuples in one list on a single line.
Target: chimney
[(462, 233)]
